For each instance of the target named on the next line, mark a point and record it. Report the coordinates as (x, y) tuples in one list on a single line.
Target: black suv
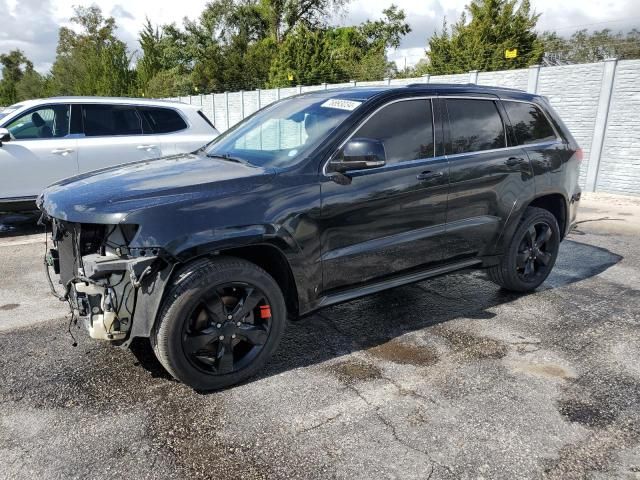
[(314, 200)]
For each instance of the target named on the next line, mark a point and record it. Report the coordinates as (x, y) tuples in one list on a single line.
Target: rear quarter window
[(529, 123), (161, 120)]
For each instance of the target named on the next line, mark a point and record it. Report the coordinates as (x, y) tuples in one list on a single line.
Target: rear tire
[(531, 253), (220, 322)]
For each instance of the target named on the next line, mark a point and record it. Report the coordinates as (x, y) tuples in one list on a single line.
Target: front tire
[(531, 253), (220, 322)]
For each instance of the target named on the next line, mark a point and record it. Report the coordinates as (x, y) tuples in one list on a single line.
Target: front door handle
[(514, 161), (428, 175), (61, 151), (145, 147)]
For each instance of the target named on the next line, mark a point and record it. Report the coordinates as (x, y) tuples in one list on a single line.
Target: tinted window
[(529, 123), (162, 120), (475, 125), (45, 122), (107, 120), (405, 128)]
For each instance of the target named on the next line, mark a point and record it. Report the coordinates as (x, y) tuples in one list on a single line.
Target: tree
[(151, 61), (480, 42), (339, 54), (15, 66), (585, 47), (94, 61)]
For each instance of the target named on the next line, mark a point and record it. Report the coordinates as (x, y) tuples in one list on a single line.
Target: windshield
[(7, 110), (283, 134)]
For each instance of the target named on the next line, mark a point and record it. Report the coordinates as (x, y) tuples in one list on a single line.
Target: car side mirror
[(359, 154), (5, 136)]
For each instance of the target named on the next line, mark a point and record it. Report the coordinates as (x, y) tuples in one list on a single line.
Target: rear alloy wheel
[(531, 254), (220, 323)]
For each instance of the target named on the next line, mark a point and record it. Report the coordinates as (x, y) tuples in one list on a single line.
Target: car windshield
[(283, 134), (7, 110)]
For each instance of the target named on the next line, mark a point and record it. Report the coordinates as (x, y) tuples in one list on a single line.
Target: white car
[(43, 141)]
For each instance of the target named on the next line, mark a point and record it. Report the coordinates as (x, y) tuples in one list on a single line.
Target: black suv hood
[(109, 195)]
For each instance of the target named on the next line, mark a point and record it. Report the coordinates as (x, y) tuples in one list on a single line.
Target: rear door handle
[(428, 175), (61, 151), (514, 161), (145, 147)]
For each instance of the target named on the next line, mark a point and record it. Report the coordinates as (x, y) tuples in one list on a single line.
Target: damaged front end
[(113, 289)]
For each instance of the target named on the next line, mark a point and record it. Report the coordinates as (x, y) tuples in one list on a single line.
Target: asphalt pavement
[(446, 379)]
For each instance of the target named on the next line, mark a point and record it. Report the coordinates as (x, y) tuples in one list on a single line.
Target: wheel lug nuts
[(238, 324), (229, 317), (218, 325), (221, 337), (233, 336)]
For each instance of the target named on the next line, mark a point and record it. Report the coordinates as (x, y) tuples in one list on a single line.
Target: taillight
[(579, 155)]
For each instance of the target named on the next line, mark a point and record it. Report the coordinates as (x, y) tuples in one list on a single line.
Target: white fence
[(599, 102)]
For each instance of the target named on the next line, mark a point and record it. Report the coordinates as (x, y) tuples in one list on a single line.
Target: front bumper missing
[(104, 293)]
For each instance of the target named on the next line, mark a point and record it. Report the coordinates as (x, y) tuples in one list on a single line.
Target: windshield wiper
[(230, 158)]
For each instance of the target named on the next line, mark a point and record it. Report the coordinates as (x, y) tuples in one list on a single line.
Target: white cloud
[(32, 25)]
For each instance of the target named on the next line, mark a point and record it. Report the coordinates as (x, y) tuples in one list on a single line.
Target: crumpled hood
[(109, 195)]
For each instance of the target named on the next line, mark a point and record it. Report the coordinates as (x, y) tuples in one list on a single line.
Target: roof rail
[(463, 85)]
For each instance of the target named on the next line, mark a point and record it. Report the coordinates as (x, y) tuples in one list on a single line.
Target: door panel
[(113, 135), (382, 223), (40, 152), (483, 191), (487, 177), (392, 218), (100, 152), (28, 166)]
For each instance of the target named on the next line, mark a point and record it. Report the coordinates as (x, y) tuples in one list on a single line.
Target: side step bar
[(393, 282)]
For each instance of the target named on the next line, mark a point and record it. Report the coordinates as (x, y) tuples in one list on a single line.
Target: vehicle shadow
[(372, 321)]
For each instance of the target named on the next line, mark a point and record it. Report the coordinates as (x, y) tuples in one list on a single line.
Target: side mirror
[(359, 154), (5, 136)]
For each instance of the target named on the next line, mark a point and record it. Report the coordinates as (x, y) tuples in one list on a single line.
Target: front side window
[(475, 125), (284, 133), (405, 128), (529, 123), (161, 120), (109, 120), (50, 121)]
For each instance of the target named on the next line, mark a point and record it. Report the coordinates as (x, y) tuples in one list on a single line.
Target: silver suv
[(43, 141)]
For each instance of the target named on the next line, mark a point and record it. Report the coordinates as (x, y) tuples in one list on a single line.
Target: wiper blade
[(230, 158)]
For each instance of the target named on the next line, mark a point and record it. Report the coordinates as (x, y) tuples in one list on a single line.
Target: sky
[(32, 25)]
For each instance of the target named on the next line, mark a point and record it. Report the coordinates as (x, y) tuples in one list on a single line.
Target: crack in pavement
[(394, 433)]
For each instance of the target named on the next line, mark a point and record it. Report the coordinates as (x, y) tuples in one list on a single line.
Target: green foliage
[(335, 55), (94, 61), (480, 42), (585, 47), (19, 79), (248, 44)]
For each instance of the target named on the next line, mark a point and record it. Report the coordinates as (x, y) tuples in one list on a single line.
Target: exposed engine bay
[(100, 275)]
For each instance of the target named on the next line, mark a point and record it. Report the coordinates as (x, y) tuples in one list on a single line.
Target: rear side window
[(529, 123), (161, 120), (109, 120), (474, 125), (405, 128)]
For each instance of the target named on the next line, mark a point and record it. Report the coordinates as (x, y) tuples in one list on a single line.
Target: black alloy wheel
[(535, 251), (228, 328), (531, 253), (221, 320)]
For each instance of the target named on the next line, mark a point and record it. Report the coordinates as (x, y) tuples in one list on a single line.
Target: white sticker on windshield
[(340, 104)]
